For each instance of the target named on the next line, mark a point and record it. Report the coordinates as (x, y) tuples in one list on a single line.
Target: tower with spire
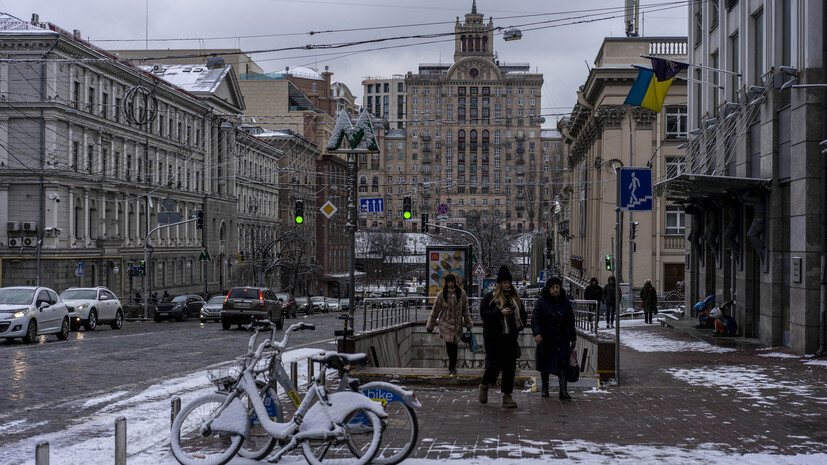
[(474, 37)]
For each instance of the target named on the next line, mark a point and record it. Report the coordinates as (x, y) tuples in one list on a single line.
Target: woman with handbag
[(450, 310), (552, 324), (503, 317)]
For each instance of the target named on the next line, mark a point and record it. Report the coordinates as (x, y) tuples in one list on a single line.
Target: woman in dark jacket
[(552, 324), (503, 317), (649, 298)]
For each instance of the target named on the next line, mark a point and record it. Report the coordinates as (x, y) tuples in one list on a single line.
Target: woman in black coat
[(552, 324)]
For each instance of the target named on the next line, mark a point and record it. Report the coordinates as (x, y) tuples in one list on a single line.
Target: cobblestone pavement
[(679, 404), (37, 379)]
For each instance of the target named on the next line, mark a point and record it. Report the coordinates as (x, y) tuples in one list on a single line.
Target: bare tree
[(388, 257), (495, 240)]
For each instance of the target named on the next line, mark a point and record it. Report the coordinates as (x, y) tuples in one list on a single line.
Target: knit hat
[(504, 274), (450, 277), (554, 280), (593, 281)]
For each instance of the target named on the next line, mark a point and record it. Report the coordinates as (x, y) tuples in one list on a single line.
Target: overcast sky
[(560, 52)]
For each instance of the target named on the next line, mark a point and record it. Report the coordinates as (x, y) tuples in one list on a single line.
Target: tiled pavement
[(671, 404)]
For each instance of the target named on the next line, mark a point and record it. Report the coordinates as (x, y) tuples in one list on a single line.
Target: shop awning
[(688, 186)]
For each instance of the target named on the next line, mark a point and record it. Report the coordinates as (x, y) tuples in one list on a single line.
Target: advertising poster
[(445, 260), (488, 285)]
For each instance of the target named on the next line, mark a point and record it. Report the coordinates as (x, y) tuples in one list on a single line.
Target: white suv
[(28, 312), (89, 306)]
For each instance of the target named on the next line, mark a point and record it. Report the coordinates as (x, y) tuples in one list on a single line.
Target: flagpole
[(700, 82), (698, 66)]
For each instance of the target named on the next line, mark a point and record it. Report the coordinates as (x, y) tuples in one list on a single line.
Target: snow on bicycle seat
[(338, 360)]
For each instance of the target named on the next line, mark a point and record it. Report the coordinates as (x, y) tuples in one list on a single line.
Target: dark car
[(291, 308), (179, 307), (243, 304)]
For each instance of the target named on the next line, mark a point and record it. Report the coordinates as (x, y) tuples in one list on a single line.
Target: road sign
[(205, 256), (374, 205), (442, 209), (328, 209), (479, 270), (169, 217), (543, 276), (636, 189), (168, 204), (79, 271)]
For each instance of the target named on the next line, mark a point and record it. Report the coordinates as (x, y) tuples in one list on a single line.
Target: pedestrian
[(552, 323), (503, 317), (451, 311), (155, 297), (609, 295), (593, 291), (649, 297), (165, 296)]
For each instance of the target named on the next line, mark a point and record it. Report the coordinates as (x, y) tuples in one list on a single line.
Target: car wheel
[(225, 323), (92, 322), (64, 330), (118, 322), (74, 325), (185, 314), (31, 332)]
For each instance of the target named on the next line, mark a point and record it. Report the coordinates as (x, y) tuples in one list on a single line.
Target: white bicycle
[(210, 430)]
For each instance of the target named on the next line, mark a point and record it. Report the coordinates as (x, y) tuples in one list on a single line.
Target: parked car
[(242, 304), (319, 304), (212, 308), (333, 304), (28, 312), (288, 303), (180, 307), (303, 304), (89, 306)]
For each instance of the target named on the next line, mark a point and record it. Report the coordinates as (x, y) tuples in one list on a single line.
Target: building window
[(675, 166), (755, 150), (714, 14), (734, 65), (675, 220), (758, 47), (676, 122), (699, 21)]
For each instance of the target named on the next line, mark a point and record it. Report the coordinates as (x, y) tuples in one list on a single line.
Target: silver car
[(212, 309), (28, 312)]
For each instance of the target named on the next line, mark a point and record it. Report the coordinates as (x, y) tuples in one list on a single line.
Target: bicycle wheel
[(190, 446), (259, 443), (364, 439), (399, 436)]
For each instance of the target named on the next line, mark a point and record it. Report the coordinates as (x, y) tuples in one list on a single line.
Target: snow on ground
[(778, 355), (147, 414), (643, 341), (822, 363)]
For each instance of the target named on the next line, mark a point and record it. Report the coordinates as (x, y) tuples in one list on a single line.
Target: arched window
[(473, 140), (485, 44), (462, 43), (485, 140), (363, 184), (461, 140), (477, 44)]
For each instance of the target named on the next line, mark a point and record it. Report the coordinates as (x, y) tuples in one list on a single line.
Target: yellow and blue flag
[(651, 85)]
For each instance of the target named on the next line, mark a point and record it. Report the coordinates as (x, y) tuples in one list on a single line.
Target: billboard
[(444, 260)]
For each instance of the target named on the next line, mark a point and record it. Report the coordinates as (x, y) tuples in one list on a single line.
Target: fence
[(378, 313), (586, 315)]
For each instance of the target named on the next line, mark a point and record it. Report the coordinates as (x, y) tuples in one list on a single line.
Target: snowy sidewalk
[(681, 401)]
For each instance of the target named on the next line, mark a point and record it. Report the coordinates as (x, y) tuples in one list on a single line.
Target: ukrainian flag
[(647, 91)]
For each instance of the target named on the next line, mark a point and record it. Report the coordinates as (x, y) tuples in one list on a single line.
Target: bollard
[(175, 408), (294, 373), (310, 371), (41, 454), (120, 441)]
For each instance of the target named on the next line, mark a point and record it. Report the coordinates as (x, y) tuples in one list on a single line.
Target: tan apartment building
[(386, 98), (598, 137)]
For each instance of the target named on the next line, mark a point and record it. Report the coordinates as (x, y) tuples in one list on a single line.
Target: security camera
[(54, 197)]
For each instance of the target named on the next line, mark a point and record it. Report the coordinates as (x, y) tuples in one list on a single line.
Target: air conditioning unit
[(13, 242), (13, 226), (27, 226), (28, 241)]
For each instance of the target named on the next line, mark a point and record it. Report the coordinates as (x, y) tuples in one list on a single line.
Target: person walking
[(451, 311), (609, 295), (503, 317), (594, 292), (649, 297), (552, 323)]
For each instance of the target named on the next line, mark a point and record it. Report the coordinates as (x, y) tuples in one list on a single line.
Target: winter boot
[(482, 394), (544, 389), (564, 393), (508, 401)]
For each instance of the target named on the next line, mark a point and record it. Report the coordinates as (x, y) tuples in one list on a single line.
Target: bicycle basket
[(224, 378)]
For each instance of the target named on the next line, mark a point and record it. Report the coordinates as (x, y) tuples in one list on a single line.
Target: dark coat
[(609, 293), (554, 320), (497, 343), (593, 292), (649, 297)]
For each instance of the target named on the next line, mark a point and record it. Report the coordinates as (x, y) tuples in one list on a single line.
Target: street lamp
[(512, 33)]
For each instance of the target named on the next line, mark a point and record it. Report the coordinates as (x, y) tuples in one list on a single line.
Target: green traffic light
[(407, 215), (299, 219)]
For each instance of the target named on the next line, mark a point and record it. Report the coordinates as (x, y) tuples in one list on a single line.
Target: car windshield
[(179, 298), (16, 296), (284, 297), (317, 299), (216, 300), (79, 294), (243, 293), (301, 300)]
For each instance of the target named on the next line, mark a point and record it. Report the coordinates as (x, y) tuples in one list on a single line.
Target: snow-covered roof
[(192, 78), (13, 25), (306, 73), (550, 134)]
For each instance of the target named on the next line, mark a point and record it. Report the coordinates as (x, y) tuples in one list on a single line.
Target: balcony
[(520, 206), (673, 241), (425, 195), (520, 135), (426, 148), (520, 149), (519, 159), (426, 159), (425, 137)]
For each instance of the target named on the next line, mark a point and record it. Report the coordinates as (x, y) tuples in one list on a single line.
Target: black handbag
[(573, 370)]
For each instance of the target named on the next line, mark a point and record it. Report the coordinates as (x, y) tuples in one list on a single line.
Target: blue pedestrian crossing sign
[(635, 189), (375, 205)]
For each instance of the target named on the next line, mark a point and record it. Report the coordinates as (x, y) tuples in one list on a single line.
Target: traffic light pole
[(146, 260)]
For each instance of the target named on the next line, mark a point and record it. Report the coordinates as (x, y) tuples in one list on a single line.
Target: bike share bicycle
[(210, 430)]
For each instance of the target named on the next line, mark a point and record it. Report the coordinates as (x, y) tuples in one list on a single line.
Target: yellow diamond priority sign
[(328, 209)]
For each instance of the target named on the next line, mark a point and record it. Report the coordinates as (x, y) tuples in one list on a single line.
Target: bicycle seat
[(339, 361), (262, 323)]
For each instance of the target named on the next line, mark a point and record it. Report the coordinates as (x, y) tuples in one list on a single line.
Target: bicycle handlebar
[(294, 327)]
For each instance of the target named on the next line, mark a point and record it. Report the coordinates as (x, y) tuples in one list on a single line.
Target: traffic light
[(608, 263), (143, 268), (299, 211), (406, 207), (199, 219), (424, 222), (240, 256), (633, 230)]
